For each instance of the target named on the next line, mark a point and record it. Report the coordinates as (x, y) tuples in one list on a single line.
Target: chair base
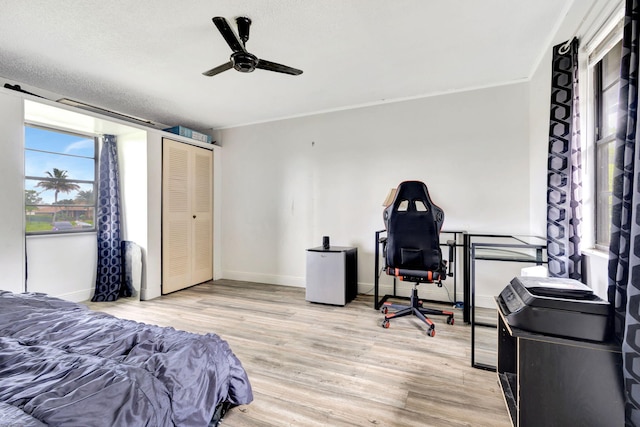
[(415, 309)]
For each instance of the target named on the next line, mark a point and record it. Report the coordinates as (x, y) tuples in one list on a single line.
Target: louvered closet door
[(187, 242), (202, 206)]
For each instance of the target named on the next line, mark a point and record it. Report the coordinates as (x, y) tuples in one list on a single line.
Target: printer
[(555, 306)]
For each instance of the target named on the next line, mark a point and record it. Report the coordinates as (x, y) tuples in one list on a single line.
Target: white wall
[(132, 159), (153, 266), (62, 265), (12, 194), (288, 183)]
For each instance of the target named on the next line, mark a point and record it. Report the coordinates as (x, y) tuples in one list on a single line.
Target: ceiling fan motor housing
[(244, 61)]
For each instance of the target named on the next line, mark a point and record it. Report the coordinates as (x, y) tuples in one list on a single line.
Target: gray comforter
[(63, 364)]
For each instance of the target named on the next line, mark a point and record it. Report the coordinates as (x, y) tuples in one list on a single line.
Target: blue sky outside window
[(72, 153)]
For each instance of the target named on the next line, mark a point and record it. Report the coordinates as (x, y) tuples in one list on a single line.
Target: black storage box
[(555, 306)]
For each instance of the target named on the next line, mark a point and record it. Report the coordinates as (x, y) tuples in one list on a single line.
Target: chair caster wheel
[(384, 310), (385, 324), (450, 320), (431, 332)]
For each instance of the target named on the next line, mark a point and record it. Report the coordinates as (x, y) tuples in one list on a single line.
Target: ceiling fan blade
[(218, 69), (272, 66), (228, 34)]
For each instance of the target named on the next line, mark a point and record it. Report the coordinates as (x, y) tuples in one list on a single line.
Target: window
[(60, 181), (606, 83)]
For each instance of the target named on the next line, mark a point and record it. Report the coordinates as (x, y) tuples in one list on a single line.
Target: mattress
[(63, 364)]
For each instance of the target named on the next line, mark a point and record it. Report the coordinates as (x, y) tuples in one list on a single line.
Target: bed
[(64, 364)]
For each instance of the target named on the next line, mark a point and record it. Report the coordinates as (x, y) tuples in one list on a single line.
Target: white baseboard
[(272, 279), (150, 293), (486, 301), (426, 291), (76, 296)]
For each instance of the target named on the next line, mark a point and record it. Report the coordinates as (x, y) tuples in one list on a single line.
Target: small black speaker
[(325, 242)]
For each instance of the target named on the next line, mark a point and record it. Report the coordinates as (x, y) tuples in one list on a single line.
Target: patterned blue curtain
[(624, 247), (110, 282), (564, 177)]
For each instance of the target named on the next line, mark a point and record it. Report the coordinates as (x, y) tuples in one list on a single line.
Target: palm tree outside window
[(60, 180)]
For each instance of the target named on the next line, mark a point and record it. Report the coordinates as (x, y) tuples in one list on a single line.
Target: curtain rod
[(567, 45)]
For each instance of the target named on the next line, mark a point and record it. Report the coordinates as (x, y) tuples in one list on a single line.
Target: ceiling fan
[(240, 59)]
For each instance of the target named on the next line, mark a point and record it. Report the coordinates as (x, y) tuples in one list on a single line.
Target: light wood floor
[(318, 365)]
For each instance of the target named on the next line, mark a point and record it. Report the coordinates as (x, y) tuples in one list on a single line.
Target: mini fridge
[(332, 275)]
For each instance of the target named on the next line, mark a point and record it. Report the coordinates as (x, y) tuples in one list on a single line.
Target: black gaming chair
[(412, 249)]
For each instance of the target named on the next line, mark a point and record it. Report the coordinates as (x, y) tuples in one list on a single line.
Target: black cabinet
[(551, 381)]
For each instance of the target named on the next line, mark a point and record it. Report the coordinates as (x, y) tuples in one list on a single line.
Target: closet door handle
[(194, 217)]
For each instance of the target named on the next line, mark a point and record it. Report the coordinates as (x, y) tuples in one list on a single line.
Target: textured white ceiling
[(146, 57)]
